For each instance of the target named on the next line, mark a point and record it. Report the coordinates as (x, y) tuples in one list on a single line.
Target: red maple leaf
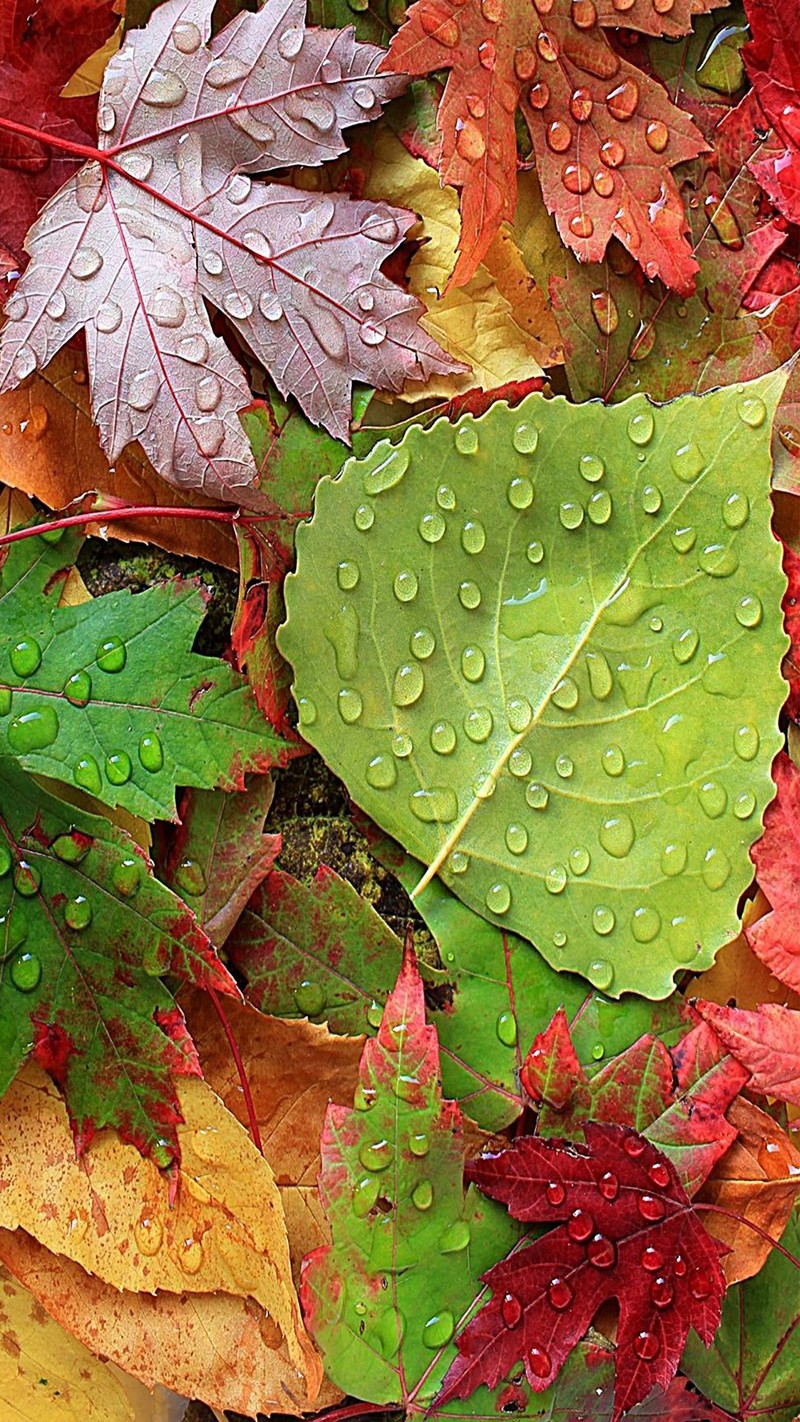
[(767, 1043), (773, 64), (791, 618), (628, 1232), (775, 938), (605, 135), (42, 45)]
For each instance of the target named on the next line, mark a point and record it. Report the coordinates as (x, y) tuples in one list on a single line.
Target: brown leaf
[(753, 1180), (111, 1212), (49, 449), (294, 1069), (214, 1347)]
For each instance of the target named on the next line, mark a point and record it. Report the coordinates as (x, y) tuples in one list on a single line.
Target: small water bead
[(688, 462), (27, 879), (659, 1174), (579, 860), (744, 805), (608, 1185), (662, 1292), (651, 1207), (716, 869), (381, 772), (598, 1051), (151, 753), (409, 684), (601, 1252), (556, 1194), (645, 924), (469, 595), (525, 437), (56, 307), (570, 514), (347, 575), (445, 497), (537, 796), (736, 510), (752, 411), (580, 1225), (443, 737), (473, 664), (111, 655), (386, 470), (473, 536), (673, 859), (376, 1155), (613, 761), (617, 835), (439, 805), (466, 438), (592, 468), (555, 879), (26, 972), (603, 920), (646, 1346), (656, 624), (538, 1362), (26, 657), (520, 493), (78, 913), (748, 611), (34, 730), (559, 1294), (652, 1259), (559, 938), (86, 263), (422, 1195), (510, 1310), (651, 499), (306, 710), (458, 863), (718, 561), (118, 768), (269, 306), (582, 225), (406, 585), (685, 645), (87, 774), (683, 539), (539, 95), (108, 318), (520, 762), (605, 312), (127, 877), (350, 705), (5, 858), (565, 695), (516, 838), (365, 1196), (5, 700), (402, 745), (713, 799), (641, 427), (600, 507), (506, 1029), (439, 1330), (634, 1146), (535, 551), (498, 898), (432, 527), (564, 767), (601, 974)]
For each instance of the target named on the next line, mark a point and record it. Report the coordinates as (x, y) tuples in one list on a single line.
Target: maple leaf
[(678, 1105), (86, 934), (775, 937), (628, 1232), (217, 854), (766, 1042), (41, 46), (408, 1244), (772, 64), (791, 618), (150, 229), (605, 136), (107, 696)]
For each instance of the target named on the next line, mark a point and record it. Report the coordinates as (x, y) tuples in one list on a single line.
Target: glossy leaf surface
[(567, 601)]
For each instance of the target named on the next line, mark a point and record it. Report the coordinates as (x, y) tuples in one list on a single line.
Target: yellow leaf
[(500, 323), (111, 1211), (214, 1347), (48, 1376)]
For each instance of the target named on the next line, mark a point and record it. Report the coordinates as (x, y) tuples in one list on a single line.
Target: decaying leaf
[(113, 1215), (148, 231)]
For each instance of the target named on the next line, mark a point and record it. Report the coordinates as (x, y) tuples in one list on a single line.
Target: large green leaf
[(753, 1366), (86, 933), (542, 650), (109, 696)]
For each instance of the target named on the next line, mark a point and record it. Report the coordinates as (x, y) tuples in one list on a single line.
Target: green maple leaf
[(547, 662), (108, 696), (408, 1245), (86, 935)]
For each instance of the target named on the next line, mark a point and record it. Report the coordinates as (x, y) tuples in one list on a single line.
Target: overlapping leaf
[(150, 229), (628, 1232), (774, 69), (605, 136), (108, 696), (566, 603)]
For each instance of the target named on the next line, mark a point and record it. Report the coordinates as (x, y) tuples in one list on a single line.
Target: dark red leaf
[(627, 1231), (773, 63)]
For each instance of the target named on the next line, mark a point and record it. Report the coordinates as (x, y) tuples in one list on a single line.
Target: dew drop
[(212, 263), (559, 1294), (402, 745), (87, 774), (673, 859), (510, 1310), (535, 551), (564, 767), (579, 860), (118, 768), (718, 561), (269, 306), (565, 695), (736, 510), (381, 773), (455, 1238), (580, 1225), (85, 263), (386, 471), (651, 1207), (646, 1346), (439, 805), (406, 585), (111, 655), (443, 737), (307, 710), (127, 877), (641, 427), (537, 796), (744, 805), (688, 462), (469, 595), (375, 1155), (409, 684), (645, 924), (601, 1252), (752, 411), (350, 705), (605, 312), (748, 611), (570, 514), (601, 974), (310, 998), (438, 1330), (151, 753), (600, 507), (186, 37), (143, 391), (662, 1292), (148, 1234), (78, 913), (432, 527), (466, 439), (608, 1185), (716, 869), (237, 304), (516, 838), (613, 761), (506, 1029), (603, 919), (617, 835), (651, 499), (422, 1195), (498, 898), (538, 1362), (56, 307), (26, 972)]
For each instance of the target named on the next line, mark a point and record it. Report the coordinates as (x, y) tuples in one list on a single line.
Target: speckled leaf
[(108, 696), (218, 855), (753, 1366), (151, 231), (383, 1299), (86, 933), (539, 639)]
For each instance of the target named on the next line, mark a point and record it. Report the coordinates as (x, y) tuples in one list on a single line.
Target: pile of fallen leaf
[(465, 337)]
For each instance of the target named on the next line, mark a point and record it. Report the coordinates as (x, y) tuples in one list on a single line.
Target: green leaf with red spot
[(110, 697), (384, 1298), (86, 936)]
